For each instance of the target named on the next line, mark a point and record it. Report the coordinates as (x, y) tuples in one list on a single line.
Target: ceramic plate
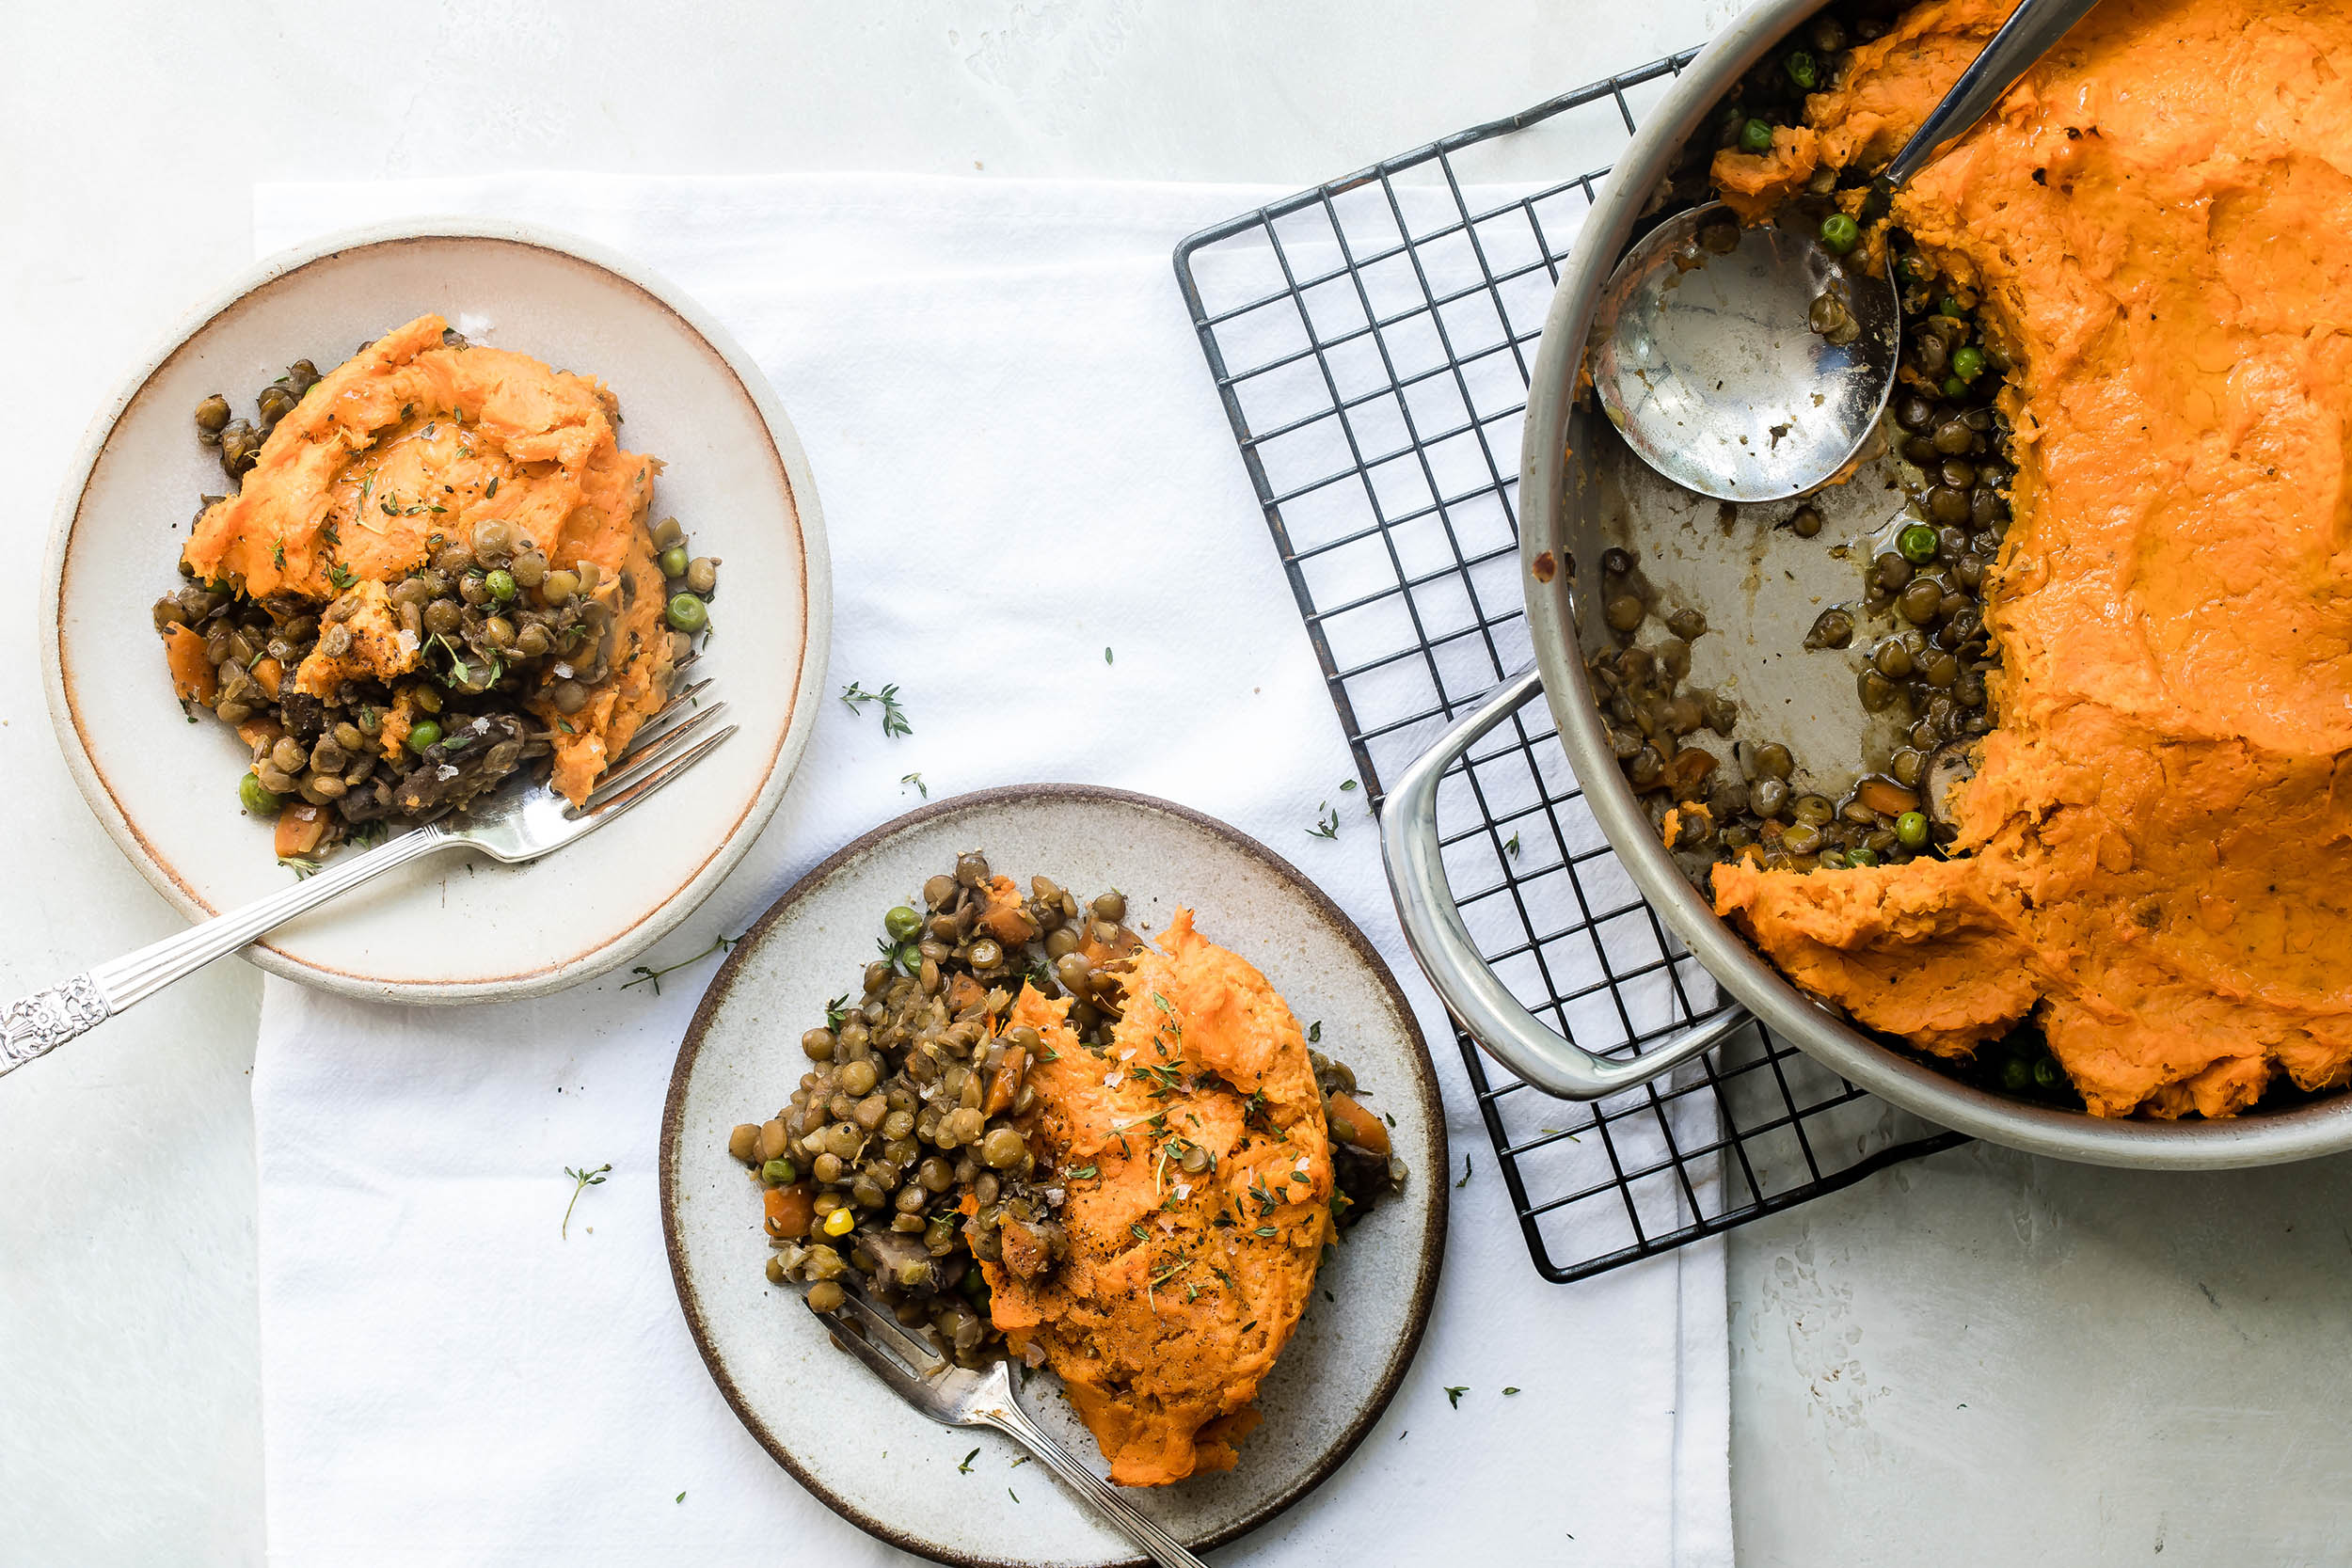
[(824, 1418), (452, 928)]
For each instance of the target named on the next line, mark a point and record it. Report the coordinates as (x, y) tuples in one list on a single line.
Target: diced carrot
[(1352, 1124), (1122, 945), (1006, 1082), (1687, 770), (964, 991), (1888, 797), (300, 827), (258, 732), (791, 1210), (269, 673), (1002, 917), (192, 673)]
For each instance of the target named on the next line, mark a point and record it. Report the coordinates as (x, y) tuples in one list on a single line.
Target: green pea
[(256, 798), (1968, 362), (1863, 855), (2015, 1075), (779, 1173), (2045, 1072), (1802, 70), (422, 734), (1840, 233), (902, 923), (973, 1283), (1950, 306), (1955, 387), (1911, 830), (1918, 543), (500, 583), (674, 561), (687, 613), (1755, 136)]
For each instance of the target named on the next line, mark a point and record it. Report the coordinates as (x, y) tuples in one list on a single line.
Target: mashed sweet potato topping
[(1181, 1287), (2158, 843), (411, 443)]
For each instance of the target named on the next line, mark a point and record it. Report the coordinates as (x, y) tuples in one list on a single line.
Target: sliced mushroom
[(1952, 765)]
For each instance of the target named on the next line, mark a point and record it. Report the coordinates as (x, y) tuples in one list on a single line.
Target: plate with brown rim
[(452, 928), (837, 1430)]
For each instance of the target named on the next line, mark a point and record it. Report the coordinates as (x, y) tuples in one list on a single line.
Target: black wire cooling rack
[(1371, 338)]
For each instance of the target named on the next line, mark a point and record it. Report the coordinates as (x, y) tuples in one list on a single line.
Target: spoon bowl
[(1703, 360)]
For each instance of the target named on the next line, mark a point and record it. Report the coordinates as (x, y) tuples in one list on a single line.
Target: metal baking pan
[(1582, 491)]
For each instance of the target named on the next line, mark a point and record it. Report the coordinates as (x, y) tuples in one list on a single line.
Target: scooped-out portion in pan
[(2121, 736)]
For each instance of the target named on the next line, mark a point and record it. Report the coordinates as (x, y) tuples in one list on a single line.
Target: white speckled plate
[(452, 928), (840, 1433)]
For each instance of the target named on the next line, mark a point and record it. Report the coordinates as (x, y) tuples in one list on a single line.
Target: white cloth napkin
[(1011, 426)]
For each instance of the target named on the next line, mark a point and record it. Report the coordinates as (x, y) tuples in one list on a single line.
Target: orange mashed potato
[(409, 444), (1180, 1289), (2158, 843)]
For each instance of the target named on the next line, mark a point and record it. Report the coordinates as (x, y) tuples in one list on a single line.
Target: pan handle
[(1442, 944)]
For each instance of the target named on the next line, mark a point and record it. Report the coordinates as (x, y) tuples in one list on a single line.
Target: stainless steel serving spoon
[(1704, 356)]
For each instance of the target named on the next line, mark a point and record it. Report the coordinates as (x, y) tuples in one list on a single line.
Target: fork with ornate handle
[(960, 1397), (514, 825)]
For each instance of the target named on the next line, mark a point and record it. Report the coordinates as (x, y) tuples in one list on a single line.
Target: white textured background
[(1977, 1359)]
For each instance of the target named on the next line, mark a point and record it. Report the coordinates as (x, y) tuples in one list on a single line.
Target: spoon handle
[(2030, 32)]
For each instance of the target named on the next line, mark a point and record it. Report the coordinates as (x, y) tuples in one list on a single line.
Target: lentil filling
[(433, 566), (1029, 1133)]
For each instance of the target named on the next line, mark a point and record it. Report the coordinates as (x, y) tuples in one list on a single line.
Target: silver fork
[(516, 824), (958, 1397)]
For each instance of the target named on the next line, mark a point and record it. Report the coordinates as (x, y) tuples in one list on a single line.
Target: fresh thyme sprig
[(1328, 824), (653, 976), (581, 1179), (855, 697)]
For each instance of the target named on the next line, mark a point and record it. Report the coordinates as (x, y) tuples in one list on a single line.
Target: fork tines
[(663, 747), (913, 1369)]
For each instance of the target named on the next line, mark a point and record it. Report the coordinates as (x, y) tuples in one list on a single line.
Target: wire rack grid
[(1371, 340)]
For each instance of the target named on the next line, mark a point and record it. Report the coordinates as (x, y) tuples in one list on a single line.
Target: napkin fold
[(1040, 531)]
